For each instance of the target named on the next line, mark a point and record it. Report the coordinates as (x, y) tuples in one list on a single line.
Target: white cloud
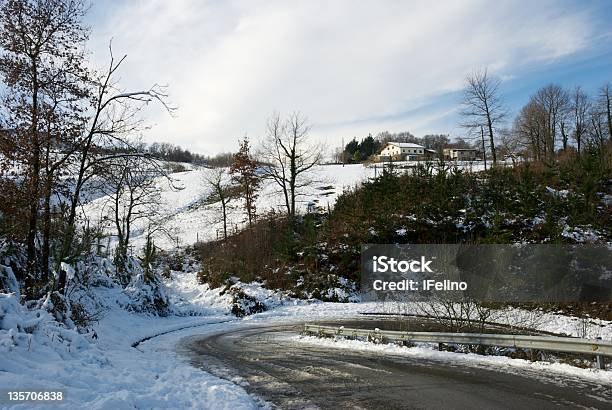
[(229, 65)]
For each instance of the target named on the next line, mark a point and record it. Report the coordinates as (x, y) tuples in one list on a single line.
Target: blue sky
[(588, 70), (352, 67)]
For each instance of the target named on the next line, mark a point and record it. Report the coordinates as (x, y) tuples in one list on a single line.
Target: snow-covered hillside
[(189, 218)]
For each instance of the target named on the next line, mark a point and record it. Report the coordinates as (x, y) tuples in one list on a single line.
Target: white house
[(461, 154), (401, 151)]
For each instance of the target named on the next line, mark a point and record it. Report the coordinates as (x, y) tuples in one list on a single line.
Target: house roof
[(406, 145)]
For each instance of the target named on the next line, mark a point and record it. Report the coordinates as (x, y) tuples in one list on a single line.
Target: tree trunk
[(46, 248), (34, 183), (224, 211), (493, 154), (286, 194), (564, 136), (608, 110), (484, 151), (249, 204), (70, 224), (292, 179), (490, 127)]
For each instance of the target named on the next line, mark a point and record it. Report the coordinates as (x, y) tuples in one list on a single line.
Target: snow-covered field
[(188, 219)]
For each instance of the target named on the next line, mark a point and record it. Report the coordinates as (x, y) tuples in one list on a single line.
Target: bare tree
[(133, 197), (580, 106), (113, 118), (290, 157), (512, 144), (484, 149), (597, 134), (222, 192), (529, 130), (605, 103), (553, 100), (483, 106)]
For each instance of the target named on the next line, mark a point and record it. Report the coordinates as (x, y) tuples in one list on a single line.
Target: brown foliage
[(251, 254), (244, 174)]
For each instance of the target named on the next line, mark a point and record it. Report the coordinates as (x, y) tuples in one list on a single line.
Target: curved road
[(293, 375)]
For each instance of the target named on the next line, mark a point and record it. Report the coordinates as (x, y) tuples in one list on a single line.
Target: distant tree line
[(170, 152), (175, 153), (222, 160), (557, 120)]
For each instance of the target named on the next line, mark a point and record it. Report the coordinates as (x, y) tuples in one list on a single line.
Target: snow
[(401, 232), (424, 351), (189, 297), (558, 193), (102, 370), (107, 372), (581, 234), (190, 220)]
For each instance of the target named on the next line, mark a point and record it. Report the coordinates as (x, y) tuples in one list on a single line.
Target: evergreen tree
[(351, 148), (367, 147)]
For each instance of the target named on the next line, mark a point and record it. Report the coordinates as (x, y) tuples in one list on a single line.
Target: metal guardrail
[(598, 348)]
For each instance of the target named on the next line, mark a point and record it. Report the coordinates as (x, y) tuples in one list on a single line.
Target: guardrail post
[(601, 362)]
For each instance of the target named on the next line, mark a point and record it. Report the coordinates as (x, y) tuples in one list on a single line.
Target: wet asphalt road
[(293, 375)]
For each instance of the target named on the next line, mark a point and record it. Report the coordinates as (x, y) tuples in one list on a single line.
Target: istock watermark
[(413, 285), (386, 264), (491, 273)]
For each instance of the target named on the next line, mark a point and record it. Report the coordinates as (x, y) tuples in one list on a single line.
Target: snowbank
[(423, 351), (38, 353)]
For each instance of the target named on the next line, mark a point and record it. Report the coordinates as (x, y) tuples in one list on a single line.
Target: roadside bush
[(255, 253), (243, 304), (147, 295)]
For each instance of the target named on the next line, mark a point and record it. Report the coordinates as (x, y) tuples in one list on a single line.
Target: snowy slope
[(189, 220)]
